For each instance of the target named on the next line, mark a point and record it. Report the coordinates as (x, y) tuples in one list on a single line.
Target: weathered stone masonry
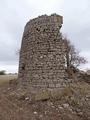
[(42, 53)]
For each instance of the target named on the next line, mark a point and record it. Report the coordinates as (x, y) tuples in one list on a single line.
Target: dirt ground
[(17, 105)]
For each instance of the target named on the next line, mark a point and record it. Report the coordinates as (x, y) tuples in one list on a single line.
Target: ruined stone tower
[(42, 53)]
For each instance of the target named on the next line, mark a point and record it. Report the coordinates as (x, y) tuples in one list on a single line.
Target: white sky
[(14, 14)]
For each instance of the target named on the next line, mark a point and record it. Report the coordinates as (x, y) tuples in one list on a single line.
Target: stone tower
[(42, 61)]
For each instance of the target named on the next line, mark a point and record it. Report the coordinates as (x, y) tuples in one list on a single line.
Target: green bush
[(2, 72)]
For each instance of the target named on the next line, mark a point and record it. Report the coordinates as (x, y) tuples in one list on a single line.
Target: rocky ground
[(69, 103)]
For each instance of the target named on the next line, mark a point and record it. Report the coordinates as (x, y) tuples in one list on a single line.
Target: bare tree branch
[(72, 56)]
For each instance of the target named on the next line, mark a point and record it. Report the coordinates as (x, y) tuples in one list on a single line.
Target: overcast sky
[(14, 14)]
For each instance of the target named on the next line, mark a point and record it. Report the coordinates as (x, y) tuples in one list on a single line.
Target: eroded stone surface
[(42, 53)]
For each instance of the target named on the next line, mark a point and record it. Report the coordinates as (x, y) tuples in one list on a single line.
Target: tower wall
[(42, 62)]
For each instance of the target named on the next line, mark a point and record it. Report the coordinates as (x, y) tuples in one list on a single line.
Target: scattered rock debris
[(75, 106)]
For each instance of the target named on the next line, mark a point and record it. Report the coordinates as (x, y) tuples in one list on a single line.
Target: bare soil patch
[(72, 103)]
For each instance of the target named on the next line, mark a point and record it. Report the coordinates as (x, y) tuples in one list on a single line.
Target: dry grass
[(6, 78), (75, 91)]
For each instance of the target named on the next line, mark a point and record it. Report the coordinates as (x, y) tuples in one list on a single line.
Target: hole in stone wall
[(23, 66), (44, 30), (38, 42), (37, 29), (54, 40)]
